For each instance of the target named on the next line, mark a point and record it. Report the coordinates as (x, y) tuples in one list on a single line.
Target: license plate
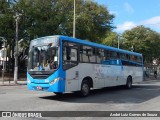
[(39, 88)]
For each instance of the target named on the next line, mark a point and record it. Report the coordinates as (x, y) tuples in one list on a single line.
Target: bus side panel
[(75, 75), (135, 72), (115, 75), (102, 76), (112, 75), (72, 79)]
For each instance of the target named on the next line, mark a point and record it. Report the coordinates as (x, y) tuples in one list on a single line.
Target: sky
[(131, 13)]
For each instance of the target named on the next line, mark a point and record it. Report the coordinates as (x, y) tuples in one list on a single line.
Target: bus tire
[(129, 82), (85, 88)]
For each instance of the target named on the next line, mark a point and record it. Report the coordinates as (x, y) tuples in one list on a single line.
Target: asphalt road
[(142, 97)]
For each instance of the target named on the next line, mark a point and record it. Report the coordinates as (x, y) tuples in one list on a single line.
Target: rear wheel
[(129, 83), (85, 88)]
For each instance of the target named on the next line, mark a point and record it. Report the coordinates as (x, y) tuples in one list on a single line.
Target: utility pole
[(74, 20), (17, 17), (132, 48), (118, 41)]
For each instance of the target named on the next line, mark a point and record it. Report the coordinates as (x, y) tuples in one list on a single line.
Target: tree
[(111, 39), (93, 21), (7, 28), (143, 40), (6, 22), (48, 17), (51, 17)]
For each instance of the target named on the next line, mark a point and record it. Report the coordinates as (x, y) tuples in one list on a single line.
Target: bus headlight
[(55, 80), (28, 81)]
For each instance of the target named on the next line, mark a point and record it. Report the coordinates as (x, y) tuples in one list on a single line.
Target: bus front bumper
[(58, 86)]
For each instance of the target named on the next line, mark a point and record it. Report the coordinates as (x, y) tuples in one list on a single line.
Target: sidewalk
[(11, 83), (151, 77), (9, 79)]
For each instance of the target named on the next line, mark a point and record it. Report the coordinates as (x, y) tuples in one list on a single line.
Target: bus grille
[(35, 76)]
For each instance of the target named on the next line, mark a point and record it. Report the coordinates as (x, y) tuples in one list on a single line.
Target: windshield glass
[(43, 58)]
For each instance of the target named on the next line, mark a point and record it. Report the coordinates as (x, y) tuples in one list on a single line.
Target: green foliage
[(48, 17), (51, 17), (139, 39), (143, 40), (111, 39), (6, 22), (93, 21)]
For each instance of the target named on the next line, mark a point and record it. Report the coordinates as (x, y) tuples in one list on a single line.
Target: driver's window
[(70, 55)]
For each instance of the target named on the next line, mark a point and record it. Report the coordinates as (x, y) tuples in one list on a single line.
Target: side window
[(132, 57), (108, 54), (114, 55), (92, 57), (139, 59), (111, 55), (84, 54), (100, 55), (135, 59), (118, 55), (123, 56), (87, 54), (127, 57), (70, 55)]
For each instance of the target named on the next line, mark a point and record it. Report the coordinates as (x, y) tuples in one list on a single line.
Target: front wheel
[(85, 89)]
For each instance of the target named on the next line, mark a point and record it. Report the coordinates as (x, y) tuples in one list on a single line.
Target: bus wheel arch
[(86, 84), (129, 82), (90, 81)]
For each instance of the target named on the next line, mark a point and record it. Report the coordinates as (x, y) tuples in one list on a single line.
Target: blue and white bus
[(63, 64)]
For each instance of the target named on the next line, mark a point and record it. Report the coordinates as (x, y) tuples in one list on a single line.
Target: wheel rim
[(129, 84), (85, 89)]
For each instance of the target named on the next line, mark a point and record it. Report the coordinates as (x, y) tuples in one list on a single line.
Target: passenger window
[(100, 55), (139, 59), (87, 54), (123, 56), (114, 55), (127, 57), (84, 54), (108, 54), (92, 57)]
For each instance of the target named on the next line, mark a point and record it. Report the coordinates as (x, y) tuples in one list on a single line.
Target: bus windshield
[(43, 58)]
